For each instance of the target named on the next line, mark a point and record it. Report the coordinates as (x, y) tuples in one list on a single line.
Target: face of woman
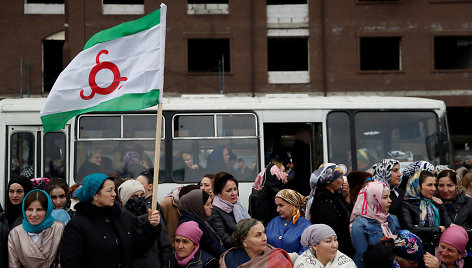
[(58, 198), (16, 193), (106, 196), (256, 240), (337, 184), (208, 207), (385, 202), (205, 185), (446, 188), (226, 155), (284, 208), (428, 187), (183, 246), (96, 159), (327, 249), (229, 192), (35, 213), (447, 253), (396, 175)]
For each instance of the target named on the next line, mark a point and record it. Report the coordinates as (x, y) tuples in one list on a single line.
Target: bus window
[(233, 149), (22, 154), (339, 138), (96, 127), (398, 135), (126, 151), (54, 148)]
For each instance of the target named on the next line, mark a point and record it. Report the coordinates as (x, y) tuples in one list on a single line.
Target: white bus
[(210, 133)]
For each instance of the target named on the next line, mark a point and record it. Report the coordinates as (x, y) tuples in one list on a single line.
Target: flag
[(119, 69)]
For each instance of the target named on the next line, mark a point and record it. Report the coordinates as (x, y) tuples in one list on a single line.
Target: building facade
[(327, 47)]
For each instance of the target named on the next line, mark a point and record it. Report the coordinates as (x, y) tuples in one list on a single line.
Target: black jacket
[(4, 230), (395, 207), (104, 237), (202, 259), (430, 235), (210, 242), (223, 223), (460, 212), (331, 209)]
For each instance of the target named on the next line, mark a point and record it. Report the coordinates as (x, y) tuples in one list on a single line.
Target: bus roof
[(260, 102)]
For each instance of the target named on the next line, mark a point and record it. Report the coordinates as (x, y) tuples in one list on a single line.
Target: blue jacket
[(368, 232), (286, 235)]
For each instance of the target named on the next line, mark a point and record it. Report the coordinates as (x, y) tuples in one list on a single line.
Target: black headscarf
[(14, 211)]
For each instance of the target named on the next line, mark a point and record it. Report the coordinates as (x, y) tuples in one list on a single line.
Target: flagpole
[(157, 155)]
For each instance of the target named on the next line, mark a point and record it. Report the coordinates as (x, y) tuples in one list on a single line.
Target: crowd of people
[(380, 217)]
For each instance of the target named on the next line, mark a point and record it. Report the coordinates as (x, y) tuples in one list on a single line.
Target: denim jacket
[(369, 232)]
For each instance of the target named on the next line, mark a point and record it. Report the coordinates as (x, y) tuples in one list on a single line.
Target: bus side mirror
[(432, 146)]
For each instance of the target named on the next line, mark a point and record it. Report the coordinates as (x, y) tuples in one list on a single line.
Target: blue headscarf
[(429, 213), (90, 186), (48, 218)]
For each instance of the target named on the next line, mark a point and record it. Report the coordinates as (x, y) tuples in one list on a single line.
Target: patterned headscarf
[(406, 245), (368, 205), (326, 173), (294, 198), (414, 167), (383, 170), (428, 212)]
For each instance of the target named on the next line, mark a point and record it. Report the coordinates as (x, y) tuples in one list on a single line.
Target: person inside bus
[(18, 187), (220, 159), (227, 209), (90, 238), (421, 212), (285, 230), (206, 184), (196, 206), (58, 190), (35, 243), (191, 171), (388, 171), (131, 193), (93, 164), (330, 207)]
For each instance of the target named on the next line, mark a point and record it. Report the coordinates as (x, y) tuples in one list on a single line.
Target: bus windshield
[(378, 135)]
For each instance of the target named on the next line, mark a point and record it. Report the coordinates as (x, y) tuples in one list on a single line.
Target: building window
[(52, 59), (286, 2), (380, 53), (51, 7), (123, 7), (287, 54), (453, 52), (207, 7), (45, 1), (209, 55)]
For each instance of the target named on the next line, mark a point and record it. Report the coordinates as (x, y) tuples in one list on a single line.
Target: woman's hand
[(345, 191), (153, 217), (430, 261), (437, 200), (442, 229)]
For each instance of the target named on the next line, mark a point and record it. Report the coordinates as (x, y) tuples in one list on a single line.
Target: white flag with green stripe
[(120, 69)]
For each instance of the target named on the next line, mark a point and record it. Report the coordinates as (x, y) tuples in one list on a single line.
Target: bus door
[(32, 153), (300, 145)]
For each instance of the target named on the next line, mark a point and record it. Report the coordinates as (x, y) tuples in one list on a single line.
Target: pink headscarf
[(368, 205), (190, 230)]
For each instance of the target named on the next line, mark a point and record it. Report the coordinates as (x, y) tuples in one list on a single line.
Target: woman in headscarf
[(188, 252), (251, 248), (18, 188), (370, 218), (322, 244), (227, 209), (421, 212), (388, 171), (196, 206), (412, 169), (329, 206), (452, 248), (101, 234), (35, 243), (285, 230), (58, 190)]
